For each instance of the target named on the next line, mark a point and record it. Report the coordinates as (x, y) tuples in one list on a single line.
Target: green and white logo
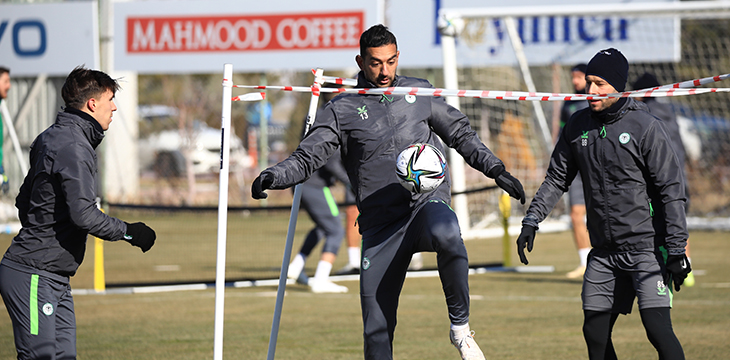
[(661, 288), (365, 263), (410, 99), (624, 138), (362, 112), (47, 309)]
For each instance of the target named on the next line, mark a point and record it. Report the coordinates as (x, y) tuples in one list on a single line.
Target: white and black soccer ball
[(421, 168)]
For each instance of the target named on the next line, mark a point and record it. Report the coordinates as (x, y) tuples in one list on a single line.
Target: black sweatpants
[(42, 312), (386, 255)]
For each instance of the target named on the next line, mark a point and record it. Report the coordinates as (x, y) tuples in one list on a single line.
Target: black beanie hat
[(647, 80), (610, 65), (579, 67)]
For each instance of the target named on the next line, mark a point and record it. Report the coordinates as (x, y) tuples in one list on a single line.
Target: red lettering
[(245, 33)]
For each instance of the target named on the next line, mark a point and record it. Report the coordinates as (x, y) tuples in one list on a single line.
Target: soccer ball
[(420, 168)]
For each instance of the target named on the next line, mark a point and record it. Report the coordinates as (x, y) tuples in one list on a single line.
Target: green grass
[(515, 316)]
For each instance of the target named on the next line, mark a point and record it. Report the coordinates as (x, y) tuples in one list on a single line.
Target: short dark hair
[(4, 70), (579, 67), (83, 84), (376, 36)]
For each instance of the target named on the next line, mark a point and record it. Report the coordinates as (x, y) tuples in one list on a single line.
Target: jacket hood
[(88, 125)]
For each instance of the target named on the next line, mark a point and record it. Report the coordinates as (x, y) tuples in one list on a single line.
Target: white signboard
[(546, 40), (48, 38), (200, 36)]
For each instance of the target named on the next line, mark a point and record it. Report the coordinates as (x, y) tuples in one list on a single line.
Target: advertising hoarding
[(200, 36), (48, 38)]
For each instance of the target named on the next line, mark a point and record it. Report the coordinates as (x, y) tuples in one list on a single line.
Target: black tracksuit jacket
[(57, 201), (370, 131), (632, 179)]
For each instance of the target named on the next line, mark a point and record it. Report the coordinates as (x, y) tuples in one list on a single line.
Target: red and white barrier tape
[(677, 89), (258, 96)]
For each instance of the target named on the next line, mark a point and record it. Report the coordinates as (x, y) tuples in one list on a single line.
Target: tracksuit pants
[(386, 255), (318, 202), (41, 310)]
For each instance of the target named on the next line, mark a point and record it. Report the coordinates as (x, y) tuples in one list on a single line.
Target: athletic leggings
[(321, 207), (387, 252), (598, 326)]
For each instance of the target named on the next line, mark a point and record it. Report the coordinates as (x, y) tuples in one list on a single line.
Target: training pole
[(220, 268), (292, 225), (8, 121)]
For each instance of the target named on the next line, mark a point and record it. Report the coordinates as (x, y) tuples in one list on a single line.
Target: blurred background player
[(664, 112), (318, 202), (575, 192), (352, 236), (4, 88)]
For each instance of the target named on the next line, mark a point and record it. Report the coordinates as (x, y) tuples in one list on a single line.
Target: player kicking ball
[(370, 131)]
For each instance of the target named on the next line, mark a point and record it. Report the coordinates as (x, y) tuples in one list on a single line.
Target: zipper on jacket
[(651, 209), (605, 186)]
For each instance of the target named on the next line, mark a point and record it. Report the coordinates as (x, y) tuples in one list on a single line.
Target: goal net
[(675, 41)]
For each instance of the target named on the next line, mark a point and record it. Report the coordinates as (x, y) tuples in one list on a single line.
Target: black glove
[(511, 185), (140, 235), (526, 238), (262, 182), (677, 269)]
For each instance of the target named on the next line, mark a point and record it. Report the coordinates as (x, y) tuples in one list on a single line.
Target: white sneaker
[(463, 340), (321, 286), (577, 273), (300, 277), (292, 273)]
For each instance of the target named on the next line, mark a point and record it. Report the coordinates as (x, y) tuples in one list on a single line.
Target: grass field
[(515, 316)]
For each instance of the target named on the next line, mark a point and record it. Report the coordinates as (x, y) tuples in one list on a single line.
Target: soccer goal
[(532, 48)]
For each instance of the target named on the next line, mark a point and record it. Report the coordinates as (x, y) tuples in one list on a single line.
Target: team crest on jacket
[(410, 99), (624, 138), (47, 309), (365, 263), (584, 139), (362, 112)]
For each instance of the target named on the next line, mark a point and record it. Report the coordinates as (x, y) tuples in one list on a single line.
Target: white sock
[(354, 254), (583, 254), (323, 270), (297, 265), (460, 327)]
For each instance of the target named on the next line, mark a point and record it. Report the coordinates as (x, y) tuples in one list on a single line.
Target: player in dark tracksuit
[(57, 209), (370, 131), (318, 202), (634, 192)]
